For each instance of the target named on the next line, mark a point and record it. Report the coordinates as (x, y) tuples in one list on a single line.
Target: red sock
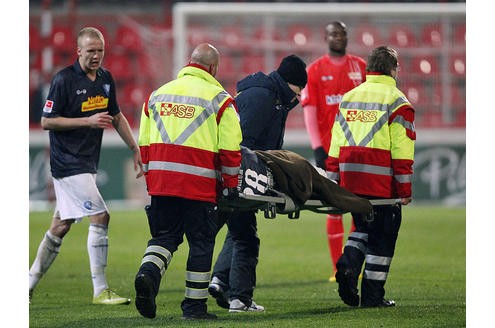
[(335, 234)]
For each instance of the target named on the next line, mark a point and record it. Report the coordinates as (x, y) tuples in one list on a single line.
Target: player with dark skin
[(329, 77)]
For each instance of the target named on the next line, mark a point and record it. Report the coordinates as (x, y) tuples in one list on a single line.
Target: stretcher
[(280, 203), (259, 188)]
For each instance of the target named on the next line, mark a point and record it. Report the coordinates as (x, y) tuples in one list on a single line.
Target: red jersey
[(328, 81)]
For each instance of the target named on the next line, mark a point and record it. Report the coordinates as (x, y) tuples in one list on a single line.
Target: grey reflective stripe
[(373, 106), (210, 108), (398, 102), (376, 127), (198, 276), (345, 128), (380, 260), (155, 260), (406, 124), (218, 99), (183, 168), (160, 250), (360, 246), (375, 275), (333, 176), (359, 235), (403, 178), (156, 116), (364, 105), (195, 124), (230, 170), (365, 168), (196, 293), (145, 167)]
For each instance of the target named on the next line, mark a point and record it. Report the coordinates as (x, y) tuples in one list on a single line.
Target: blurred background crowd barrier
[(148, 41)]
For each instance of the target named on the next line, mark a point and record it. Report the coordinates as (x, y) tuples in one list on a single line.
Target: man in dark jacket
[(263, 101)]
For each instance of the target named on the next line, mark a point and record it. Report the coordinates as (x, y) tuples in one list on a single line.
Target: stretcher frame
[(280, 203)]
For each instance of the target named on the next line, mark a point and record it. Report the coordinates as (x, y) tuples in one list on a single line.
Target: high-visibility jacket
[(372, 147), (189, 137)]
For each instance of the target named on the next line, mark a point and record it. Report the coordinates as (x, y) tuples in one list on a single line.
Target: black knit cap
[(293, 70)]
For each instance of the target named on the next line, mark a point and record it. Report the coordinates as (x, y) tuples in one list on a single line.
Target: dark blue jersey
[(73, 94)]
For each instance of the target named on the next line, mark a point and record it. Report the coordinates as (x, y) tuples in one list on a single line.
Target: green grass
[(427, 278)]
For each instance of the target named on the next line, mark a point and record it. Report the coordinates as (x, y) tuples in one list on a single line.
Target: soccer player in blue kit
[(82, 103)]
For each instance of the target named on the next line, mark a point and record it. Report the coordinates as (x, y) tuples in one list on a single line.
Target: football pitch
[(427, 278)]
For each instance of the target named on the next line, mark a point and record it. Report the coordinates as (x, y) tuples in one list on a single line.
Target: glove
[(230, 193), (320, 157)]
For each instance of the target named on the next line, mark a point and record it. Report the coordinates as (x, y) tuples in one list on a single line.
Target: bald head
[(207, 56)]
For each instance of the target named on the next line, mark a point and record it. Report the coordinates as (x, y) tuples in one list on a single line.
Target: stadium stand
[(402, 36), (121, 67), (367, 36), (140, 48), (63, 39), (433, 35), (128, 39)]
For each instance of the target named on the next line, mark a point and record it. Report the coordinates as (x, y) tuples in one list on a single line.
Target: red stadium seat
[(458, 92), (299, 35), (253, 63), (424, 65), (134, 95), (120, 66), (263, 34), (128, 38), (457, 64), (198, 34), (63, 39), (402, 36), (366, 35), (460, 34), (35, 43), (227, 67), (416, 93), (160, 36), (232, 36), (433, 35)]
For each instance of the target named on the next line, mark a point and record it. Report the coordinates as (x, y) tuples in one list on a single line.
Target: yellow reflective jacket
[(189, 137), (372, 147)]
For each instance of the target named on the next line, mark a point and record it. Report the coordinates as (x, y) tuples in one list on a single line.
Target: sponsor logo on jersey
[(355, 76), (83, 91), (94, 103), (48, 106), (327, 77), (333, 99), (177, 110), (361, 115)]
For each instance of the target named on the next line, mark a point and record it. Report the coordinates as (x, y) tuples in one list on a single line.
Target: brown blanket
[(296, 177)]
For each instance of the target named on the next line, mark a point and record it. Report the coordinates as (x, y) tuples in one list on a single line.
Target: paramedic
[(371, 154), (189, 132)]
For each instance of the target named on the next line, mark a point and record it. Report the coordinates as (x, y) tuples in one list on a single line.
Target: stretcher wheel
[(294, 215)]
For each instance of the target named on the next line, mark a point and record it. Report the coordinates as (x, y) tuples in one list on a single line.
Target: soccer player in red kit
[(329, 77)]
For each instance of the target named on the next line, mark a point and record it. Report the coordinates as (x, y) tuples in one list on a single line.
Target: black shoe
[(348, 291), (217, 292), (383, 303), (145, 296), (199, 316)]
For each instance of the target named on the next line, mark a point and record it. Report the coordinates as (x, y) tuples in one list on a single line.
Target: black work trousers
[(169, 219), (372, 243), (236, 263)]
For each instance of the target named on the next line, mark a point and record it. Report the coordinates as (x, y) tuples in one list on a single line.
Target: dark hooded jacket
[(264, 101)]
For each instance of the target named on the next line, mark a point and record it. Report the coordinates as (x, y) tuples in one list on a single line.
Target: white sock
[(98, 253), (47, 252)]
